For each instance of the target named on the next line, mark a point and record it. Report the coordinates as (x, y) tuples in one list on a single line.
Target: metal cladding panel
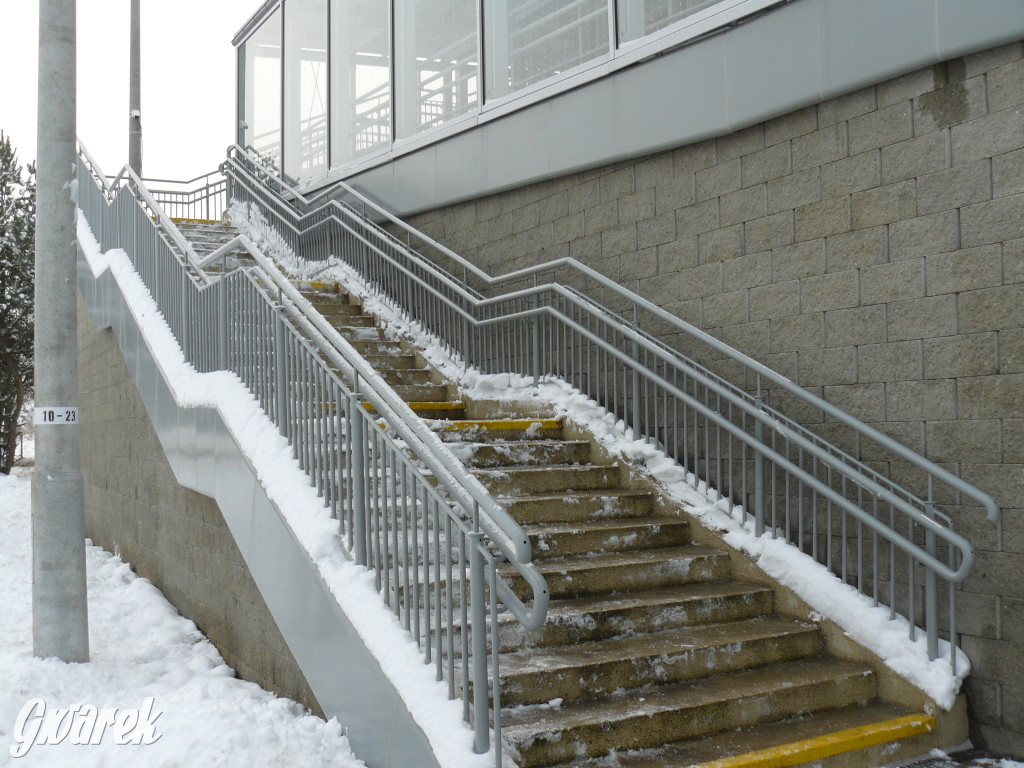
[(455, 176), (375, 718), (187, 454), (344, 675), (414, 180), (856, 37), (206, 450), (589, 116), (772, 65), (517, 147), (694, 106), (963, 26)]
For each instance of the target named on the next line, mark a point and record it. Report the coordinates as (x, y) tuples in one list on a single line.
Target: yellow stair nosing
[(820, 747)]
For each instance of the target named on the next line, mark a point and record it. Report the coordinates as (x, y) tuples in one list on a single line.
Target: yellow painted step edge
[(496, 424), (820, 747)]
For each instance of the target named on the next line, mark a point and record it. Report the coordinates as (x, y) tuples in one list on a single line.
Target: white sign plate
[(56, 414)]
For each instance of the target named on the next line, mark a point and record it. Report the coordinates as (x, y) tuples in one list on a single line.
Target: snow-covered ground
[(141, 647)]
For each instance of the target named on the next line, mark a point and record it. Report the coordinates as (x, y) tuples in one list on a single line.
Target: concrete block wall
[(169, 534), (871, 248)]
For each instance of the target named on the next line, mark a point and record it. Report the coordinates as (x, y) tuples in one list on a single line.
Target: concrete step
[(477, 430), (587, 619), (525, 453), (375, 347), (383, 363), (351, 320), (639, 719), (433, 410), (579, 506), (615, 535), (549, 479), (406, 376), (353, 333), (422, 393), (617, 572), (590, 670), (334, 305), (865, 735)]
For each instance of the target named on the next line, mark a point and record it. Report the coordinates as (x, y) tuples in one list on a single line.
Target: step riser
[(601, 625), (406, 377), (600, 679), (484, 456), (337, 309), (622, 540), (528, 511), (551, 480), (632, 576), (649, 730), (479, 434), (384, 363), (422, 393)]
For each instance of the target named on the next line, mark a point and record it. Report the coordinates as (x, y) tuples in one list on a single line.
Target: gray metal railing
[(199, 198), (839, 500), (406, 507)]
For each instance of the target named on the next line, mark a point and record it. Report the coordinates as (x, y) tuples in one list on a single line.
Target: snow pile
[(867, 624), (141, 647), (290, 489)]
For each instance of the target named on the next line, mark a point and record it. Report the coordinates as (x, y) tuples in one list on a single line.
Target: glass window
[(360, 78), (261, 90), (437, 64), (305, 88), (637, 18), (532, 40)]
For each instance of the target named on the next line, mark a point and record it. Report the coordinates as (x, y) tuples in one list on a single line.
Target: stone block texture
[(170, 535), (870, 247)]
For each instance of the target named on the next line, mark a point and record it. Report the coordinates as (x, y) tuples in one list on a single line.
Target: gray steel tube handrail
[(507, 535), (750, 408), (985, 500)]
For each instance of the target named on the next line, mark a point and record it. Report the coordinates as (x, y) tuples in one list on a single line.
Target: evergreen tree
[(17, 294)]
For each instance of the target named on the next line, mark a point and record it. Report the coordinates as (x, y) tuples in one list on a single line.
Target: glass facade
[(360, 78), (639, 18), (305, 89), (260, 62), (437, 63), (531, 40), (359, 75)]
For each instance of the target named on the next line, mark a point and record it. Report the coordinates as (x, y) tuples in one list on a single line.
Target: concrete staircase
[(654, 652)]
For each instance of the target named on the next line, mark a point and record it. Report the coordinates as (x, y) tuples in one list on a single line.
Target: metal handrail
[(377, 465), (649, 375)]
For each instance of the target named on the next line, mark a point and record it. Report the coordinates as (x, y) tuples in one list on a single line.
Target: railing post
[(222, 320), (280, 372), (931, 590), (758, 471), (535, 322), (186, 335), (478, 623), (358, 477), (636, 391)]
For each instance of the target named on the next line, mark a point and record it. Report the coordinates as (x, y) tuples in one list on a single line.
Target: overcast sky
[(188, 73)]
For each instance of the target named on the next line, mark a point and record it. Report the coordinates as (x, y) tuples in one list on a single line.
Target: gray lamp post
[(135, 94), (60, 625)]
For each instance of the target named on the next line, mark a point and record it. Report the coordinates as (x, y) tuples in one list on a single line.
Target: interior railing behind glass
[(858, 502), (406, 508)]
